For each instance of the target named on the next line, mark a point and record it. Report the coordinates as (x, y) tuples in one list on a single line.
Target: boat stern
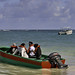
[(46, 64)]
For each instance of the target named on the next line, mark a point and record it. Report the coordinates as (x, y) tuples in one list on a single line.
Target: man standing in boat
[(31, 50)]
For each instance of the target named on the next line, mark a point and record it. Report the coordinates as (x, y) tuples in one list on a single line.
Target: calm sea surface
[(49, 41)]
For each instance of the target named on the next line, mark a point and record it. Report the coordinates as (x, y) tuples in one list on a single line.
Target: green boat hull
[(18, 63)]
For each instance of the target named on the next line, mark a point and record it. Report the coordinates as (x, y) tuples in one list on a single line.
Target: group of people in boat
[(34, 50)]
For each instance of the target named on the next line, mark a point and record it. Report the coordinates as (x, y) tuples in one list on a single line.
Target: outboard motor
[(54, 59)]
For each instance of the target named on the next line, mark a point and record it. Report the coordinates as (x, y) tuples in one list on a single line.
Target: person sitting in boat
[(22, 51), (31, 50), (12, 48), (37, 51)]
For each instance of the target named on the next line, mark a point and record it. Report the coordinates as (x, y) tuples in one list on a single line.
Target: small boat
[(51, 61), (65, 31)]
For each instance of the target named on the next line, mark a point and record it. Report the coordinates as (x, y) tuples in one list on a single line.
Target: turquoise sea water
[(49, 41)]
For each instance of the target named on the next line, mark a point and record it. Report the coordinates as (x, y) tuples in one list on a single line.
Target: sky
[(37, 14)]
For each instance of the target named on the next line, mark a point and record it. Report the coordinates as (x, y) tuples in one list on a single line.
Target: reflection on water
[(6, 69), (71, 70), (54, 72)]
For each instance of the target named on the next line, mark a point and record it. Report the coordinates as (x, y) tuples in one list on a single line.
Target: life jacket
[(14, 46), (36, 48), (12, 49), (38, 52), (29, 48), (22, 51), (23, 47)]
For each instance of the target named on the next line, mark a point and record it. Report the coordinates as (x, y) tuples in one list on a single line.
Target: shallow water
[(6, 69), (49, 41)]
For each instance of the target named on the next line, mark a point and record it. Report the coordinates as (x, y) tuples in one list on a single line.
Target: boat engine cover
[(54, 59), (53, 55)]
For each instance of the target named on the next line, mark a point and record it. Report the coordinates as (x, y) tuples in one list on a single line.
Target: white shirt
[(22, 51), (32, 48)]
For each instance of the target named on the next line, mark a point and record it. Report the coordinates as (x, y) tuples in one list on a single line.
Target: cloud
[(3, 0), (56, 14), (40, 11), (1, 16)]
